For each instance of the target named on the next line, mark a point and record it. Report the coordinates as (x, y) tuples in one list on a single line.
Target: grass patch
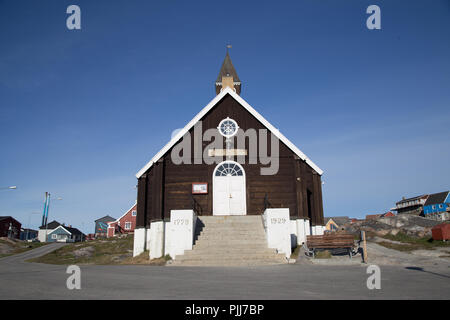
[(325, 254), (19, 247), (107, 251), (99, 251), (143, 259), (398, 246), (295, 253), (408, 243)]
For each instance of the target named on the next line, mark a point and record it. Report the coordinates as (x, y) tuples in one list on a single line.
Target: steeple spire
[(228, 76)]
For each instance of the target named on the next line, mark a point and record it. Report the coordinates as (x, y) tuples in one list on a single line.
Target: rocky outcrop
[(84, 252), (414, 226)]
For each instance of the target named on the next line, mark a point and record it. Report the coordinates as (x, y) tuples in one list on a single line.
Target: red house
[(125, 224), (381, 215), (388, 214)]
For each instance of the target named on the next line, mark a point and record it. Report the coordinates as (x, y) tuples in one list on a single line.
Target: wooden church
[(233, 185)]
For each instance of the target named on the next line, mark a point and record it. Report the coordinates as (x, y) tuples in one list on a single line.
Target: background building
[(45, 230), (125, 224), (411, 205), (437, 205), (101, 226), (380, 215), (9, 227), (65, 234), (336, 223), (28, 234)]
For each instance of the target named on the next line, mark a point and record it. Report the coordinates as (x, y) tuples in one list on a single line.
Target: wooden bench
[(330, 241)]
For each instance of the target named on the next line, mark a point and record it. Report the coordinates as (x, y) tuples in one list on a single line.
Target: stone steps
[(235, 233), (227, 256), (228, 252), (238, 236), (230, 241), (225, 263), (234, 246)]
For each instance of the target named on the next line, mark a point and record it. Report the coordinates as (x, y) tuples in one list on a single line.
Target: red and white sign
[(200, 188)]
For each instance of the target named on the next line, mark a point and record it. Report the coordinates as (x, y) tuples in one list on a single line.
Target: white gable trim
[(118, 219), (60, 227), (250, 109)]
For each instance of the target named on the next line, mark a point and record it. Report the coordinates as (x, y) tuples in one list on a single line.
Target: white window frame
[(54, 236), (128, 223), (134, 213), (228, 135)]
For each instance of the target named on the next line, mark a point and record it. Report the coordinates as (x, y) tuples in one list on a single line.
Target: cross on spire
[(227, 75)]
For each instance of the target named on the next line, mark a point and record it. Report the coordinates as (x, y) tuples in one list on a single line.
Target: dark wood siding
[(141, 218), (168, 186)]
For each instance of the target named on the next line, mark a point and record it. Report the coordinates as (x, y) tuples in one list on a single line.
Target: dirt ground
[(381, 255)]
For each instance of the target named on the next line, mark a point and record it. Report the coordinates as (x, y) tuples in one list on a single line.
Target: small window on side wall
[(133, 213)]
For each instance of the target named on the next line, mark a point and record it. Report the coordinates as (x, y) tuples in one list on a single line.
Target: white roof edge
[(135, 203), (250, 109), (60, 226)]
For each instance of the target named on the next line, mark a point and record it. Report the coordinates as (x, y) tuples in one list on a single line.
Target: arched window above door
[(228, 169)]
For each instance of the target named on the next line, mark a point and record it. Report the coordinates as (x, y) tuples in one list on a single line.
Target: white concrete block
[(156, 239), (320, 230), (278, 230), (317, 230), (147, 239), (180, 232), (301, 234), (307, 228), (139, 241)]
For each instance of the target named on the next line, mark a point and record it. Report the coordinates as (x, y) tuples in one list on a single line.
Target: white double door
[(229, 195)]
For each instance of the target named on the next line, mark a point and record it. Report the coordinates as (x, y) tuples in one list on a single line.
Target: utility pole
[(45, 214), (29, 223)]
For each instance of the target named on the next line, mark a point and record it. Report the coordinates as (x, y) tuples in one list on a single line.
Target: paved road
[(22, 280), (21, 257)]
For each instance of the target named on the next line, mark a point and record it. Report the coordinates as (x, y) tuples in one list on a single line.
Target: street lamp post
[(8, 188)]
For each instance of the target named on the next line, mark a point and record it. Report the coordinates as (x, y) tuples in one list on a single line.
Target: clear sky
[(82, 111)]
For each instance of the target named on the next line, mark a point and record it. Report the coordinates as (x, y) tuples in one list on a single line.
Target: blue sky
[(82, 111)]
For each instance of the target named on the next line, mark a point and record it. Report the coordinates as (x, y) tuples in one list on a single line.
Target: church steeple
[(228, 76)]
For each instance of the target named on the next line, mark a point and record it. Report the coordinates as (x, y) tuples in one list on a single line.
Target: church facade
[(229, 161)]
